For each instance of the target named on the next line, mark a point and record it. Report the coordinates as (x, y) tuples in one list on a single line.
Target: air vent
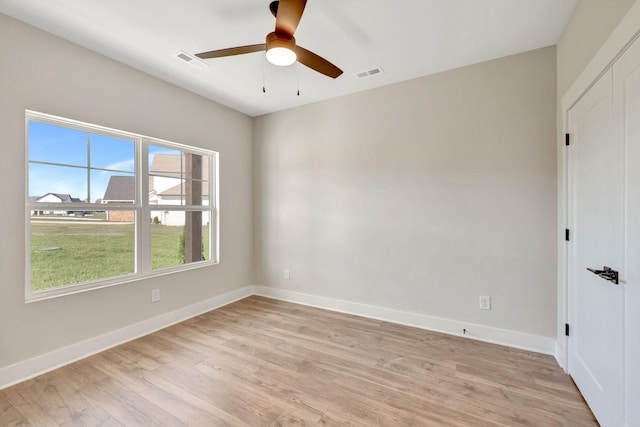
[(184, 57), (369, 73), (191, 60)]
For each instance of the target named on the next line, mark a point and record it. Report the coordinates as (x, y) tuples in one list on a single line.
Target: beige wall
[(44, 73), (588, 28), (420, 196)]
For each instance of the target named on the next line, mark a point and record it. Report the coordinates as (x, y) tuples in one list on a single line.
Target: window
[(107, 207)]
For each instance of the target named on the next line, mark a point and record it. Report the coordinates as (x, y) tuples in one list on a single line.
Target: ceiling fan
[(280, 45)]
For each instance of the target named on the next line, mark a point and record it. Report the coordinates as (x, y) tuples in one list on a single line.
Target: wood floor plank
[(187, 407), (229, 396), (15, 410), (52, 400), (264, 362), (10, 415)]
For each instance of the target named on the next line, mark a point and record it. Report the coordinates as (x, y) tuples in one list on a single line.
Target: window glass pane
[(82, 247), (179, 237), (195, 193), (165, 191), (57, 184), (195, 188), (178, 178), (112, 187), (166, 173), (108, 152), (165, 161), (56, 144)]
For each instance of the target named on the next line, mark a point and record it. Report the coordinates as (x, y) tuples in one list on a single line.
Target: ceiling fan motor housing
[(281, 40)]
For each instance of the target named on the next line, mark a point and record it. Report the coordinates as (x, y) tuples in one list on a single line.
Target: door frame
[(627, 31)]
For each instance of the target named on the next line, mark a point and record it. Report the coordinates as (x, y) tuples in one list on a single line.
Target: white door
[(596, 220), (626, 95)]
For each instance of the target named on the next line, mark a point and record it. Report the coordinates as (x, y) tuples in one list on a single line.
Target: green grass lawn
[(165, 245), (94, 251)]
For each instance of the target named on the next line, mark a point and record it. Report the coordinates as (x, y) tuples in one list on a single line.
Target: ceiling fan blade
[(232, 51), (288, 16), (317, 63)]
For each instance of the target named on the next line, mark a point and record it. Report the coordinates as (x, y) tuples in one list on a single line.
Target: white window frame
[(141, 207)]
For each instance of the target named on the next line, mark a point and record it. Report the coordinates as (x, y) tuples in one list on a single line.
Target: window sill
[(31, 296)]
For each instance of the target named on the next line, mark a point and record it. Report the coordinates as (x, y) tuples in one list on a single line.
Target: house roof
[(179, 189), (64, 198), (122, 188), (169, 164)]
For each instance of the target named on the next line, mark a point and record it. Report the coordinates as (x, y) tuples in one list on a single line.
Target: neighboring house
[(121, 189), (165, 188), (54, 198)]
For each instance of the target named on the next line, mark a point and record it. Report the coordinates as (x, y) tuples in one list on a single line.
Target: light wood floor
[(261, 362)]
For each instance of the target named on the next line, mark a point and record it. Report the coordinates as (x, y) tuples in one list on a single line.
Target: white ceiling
[(407, 38)]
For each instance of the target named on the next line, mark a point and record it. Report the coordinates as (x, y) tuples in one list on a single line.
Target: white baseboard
[(561, 356), (489, 334), (27, 369)]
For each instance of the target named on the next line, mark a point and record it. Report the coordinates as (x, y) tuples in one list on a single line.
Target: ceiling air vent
[(369, 73), (191, 60)]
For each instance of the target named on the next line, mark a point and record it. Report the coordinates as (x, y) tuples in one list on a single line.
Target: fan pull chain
[(264, 72), (298, 76)]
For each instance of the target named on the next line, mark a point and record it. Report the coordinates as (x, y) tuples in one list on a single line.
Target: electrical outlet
[(485, 303), (155, 295), (287, 276)]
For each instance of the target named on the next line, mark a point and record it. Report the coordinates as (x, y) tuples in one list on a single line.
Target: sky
[(73, 168)]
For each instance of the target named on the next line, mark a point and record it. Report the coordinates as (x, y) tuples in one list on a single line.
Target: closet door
[(596, 305), (626, 96)]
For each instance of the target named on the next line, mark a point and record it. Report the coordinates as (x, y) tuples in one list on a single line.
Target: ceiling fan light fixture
[(281, 56), (281, 50)]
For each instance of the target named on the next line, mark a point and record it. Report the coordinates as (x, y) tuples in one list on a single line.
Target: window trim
[(141, 207)]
